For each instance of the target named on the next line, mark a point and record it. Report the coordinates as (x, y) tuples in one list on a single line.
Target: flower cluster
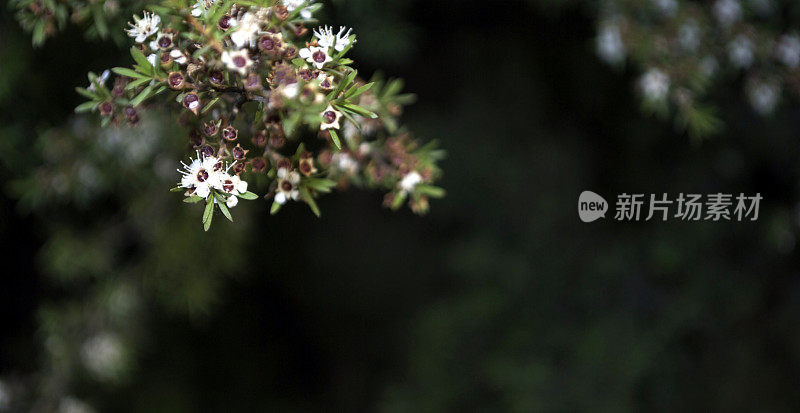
[(260, 94), (683, 47)]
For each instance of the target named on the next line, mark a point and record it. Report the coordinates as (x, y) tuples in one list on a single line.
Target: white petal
[(202, 191), (242, 187), (280, 198), (232, 201)]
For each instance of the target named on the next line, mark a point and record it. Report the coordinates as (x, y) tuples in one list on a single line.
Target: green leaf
[(359, 110), (310, 201), (335, 138), (430, 190), (299, 62), (208, 214), (274, 208), (85, 92), (210, 104), (124, 71), (192, 199), (225, 211), (398, 200), (85, 107), (143, 64), (248, 196), (177, 189), (354, 92), (142, 96), (136, 83)]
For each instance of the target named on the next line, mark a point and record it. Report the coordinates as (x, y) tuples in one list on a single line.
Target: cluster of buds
[(683, 47), (239, 72)]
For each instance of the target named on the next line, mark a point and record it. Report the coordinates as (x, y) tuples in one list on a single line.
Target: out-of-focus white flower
[(5, 396), (330, 118), (788, 50), (654, 85), (103, 355), (727, 12), (291, 5), (238, 60), (689, 35), (101, 80), (178, 57), (609, 44), (70, 404), (763, 96), (315, 55), (201, 7), (667, 7), (740, 52), (343, 162), (290, 91), (410, 181), (288, 182), (144, 27), (246, 29), (708, 66)]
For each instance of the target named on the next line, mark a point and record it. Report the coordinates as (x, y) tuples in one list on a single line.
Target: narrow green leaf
[(398, 200), (275, 208), (192, 199), (85, 107), (124, 71), (354, 92), (430, 190), (248, 196), (225, 211), (177, 189), (310, 201), (142, 96), (335, 138)]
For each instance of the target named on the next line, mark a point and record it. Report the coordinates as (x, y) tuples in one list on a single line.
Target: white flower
[(291, 5), (103, 355), (740, 52), (290, 91), (330, 118), (764, 96), (246, 28), (689, 35), (410, 181), (178, 57), (101, 80), (201, 7), (727, 12), (667, 7), (345, 163), (327, 39), (609, 44), (317, 56), (201, 175), (233, 186), (152, 59), (654, 84), (788, 50), (237, 60), (144, 27), (287, 186)]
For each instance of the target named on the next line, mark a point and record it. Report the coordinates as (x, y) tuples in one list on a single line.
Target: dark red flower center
[(202, 175), (319, 56), (239, 61), (329, 116)]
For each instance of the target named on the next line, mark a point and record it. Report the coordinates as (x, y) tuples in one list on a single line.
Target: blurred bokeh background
[(501, 299)]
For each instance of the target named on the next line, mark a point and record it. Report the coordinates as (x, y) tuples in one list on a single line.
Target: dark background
[(500, 299)]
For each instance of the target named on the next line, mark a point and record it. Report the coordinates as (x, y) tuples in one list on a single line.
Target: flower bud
[(131, 115), (238, 168), (210, 128), (207, 151), (192, 102), (106, 108), (259, 139), (224, 22), (258, 164), (195, 138), (230, 133), (176, 80), (252, 81), (306, 166), (216, 77), (166, 60), (239, 153)]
